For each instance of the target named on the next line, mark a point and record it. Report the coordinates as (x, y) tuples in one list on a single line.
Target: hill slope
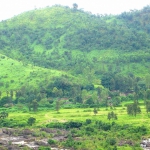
[(113, 49), (17, 74)]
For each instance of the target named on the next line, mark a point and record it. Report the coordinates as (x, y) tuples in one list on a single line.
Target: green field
[(81, 114), (124, 128)]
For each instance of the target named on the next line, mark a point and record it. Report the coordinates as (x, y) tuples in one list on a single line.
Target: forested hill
[(62, 27), (87, 47)]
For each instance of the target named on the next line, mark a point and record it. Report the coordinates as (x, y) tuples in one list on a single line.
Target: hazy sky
[(10, 8)]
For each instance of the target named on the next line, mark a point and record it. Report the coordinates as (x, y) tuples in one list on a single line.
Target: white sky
[(10, 8)]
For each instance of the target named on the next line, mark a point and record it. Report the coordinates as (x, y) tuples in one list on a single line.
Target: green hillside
[(75, 80), (15, 75), (66, 50)]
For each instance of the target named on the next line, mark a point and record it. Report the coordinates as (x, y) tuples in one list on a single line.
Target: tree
[(115, 116), (7, 93), (133, 109), (148, 94), (95, 98), (99, 91), (112, 115), (57, 106), (117, 101), (11, 94), (55, 92), (5, 100), (75, 6), (147, 103), (60, 93), (112, 84), (78, 99), (95, 111), (84, 95), (21, 99), (34, 105), (109, 116), (90, 101), (106, 80), (31, 121)]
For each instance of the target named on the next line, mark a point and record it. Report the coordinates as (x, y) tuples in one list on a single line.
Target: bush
[(44, 148), (22, 124), (56, 125), (89, 129), (31, 121), (88, 121), (103, 126), (51, 142), (69, 142), (73, 124), (141, 130), (111, 141)]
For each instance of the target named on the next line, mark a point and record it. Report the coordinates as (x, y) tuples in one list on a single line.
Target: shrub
[(103, 126), (22, 124), (56, 125), (12, 81), (89, 129), (69, 142), (51, 142), (31, 121), (44, 148), (73, 124), (111, 141), (88, 121)]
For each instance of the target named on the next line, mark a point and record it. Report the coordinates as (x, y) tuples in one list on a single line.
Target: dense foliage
[(94, 58)]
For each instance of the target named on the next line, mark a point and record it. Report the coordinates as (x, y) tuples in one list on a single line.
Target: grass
[(15, 74), (97, 139), (80, 114)]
